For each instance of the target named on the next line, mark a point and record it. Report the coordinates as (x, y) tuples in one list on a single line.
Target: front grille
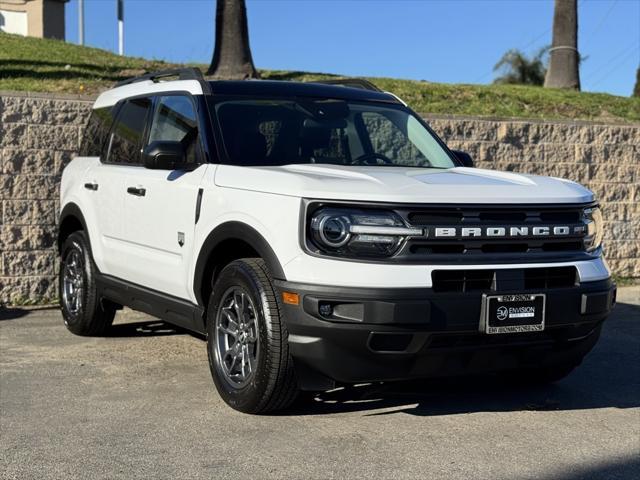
[(435, 217), (512, 244), (502, 217), (560, 216), (512, 215), (550, 277), (437, 248), (462, 280), (562, 246), (505, 247), (503, 280)]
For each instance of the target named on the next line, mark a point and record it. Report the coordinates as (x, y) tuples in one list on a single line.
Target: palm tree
[(232, 54), (519, 69), (564, 60)]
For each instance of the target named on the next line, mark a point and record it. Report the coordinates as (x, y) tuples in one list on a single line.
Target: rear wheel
[(82, 310), (247, 340)]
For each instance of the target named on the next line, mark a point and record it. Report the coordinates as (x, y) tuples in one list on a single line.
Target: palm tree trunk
[(564, 63), (232, 54)]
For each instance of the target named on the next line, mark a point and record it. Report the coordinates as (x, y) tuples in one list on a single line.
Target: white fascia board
[(146, 87)]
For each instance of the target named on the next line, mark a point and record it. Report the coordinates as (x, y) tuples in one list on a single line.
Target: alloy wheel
[(237, 337), (73, 281)]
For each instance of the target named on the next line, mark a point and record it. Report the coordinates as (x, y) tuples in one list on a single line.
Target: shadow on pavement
[(609, 377), (621, 468), (151, 328), (9, 313)]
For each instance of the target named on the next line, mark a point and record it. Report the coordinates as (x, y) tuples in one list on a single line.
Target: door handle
[(137, 191), (91, 186)]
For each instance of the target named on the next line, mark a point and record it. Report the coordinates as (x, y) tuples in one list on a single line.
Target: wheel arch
[(225, 243), (71, 220)]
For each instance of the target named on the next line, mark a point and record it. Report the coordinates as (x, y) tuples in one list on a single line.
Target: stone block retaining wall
[(40, 133)]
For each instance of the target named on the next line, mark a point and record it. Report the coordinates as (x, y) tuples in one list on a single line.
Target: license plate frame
[(520, 313)]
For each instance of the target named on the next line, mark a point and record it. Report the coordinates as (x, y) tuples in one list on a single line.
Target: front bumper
[(393, 334)]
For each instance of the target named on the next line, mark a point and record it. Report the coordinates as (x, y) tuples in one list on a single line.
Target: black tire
[(90, 316), (272, 384)]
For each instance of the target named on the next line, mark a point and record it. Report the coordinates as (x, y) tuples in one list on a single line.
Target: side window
[(175, 120), (126, 138), (386, 138), (96, 132)]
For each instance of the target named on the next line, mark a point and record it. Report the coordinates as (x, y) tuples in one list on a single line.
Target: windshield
[(270, 132)]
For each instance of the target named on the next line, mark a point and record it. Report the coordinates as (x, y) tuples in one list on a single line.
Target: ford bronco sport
[(322, 235)]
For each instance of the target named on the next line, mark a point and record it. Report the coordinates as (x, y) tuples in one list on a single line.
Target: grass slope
[(43, 65)]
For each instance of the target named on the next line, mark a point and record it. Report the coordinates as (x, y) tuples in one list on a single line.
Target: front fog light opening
[(325, 309)]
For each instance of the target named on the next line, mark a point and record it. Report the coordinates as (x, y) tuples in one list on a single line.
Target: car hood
[(402, 184)]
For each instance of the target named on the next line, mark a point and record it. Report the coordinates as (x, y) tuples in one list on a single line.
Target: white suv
[(322, 235)]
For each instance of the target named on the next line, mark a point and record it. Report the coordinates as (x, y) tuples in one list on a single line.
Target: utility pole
[(81, 22), (120, 27)]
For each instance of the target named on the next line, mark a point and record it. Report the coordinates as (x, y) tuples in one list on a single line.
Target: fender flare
[(70, 210), (228, 231)]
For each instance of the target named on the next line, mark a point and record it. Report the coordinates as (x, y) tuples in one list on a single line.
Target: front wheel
[(83, 311), (247, 340)]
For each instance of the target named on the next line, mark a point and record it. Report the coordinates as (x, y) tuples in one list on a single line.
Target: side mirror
[(164, 155), (464, 157)]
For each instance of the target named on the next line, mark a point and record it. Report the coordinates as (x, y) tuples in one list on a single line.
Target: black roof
[(341, 88), (278, 88)]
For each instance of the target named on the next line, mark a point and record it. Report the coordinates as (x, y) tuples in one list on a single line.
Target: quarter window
[(126, 139), (175, 120), (96, 132)]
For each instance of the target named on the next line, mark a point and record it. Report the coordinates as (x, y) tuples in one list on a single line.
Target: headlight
[(594, 228), (347, 232)]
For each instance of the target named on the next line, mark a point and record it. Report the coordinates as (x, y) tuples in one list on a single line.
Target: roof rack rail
[(182, 73), (352, 82)]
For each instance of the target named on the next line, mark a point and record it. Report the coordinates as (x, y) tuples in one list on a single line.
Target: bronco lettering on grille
[(506, 231)]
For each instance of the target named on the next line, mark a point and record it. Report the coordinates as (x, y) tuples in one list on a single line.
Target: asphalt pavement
[(140, 403)]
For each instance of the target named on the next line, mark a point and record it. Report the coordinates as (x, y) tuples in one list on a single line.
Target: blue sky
[(453, 41)]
